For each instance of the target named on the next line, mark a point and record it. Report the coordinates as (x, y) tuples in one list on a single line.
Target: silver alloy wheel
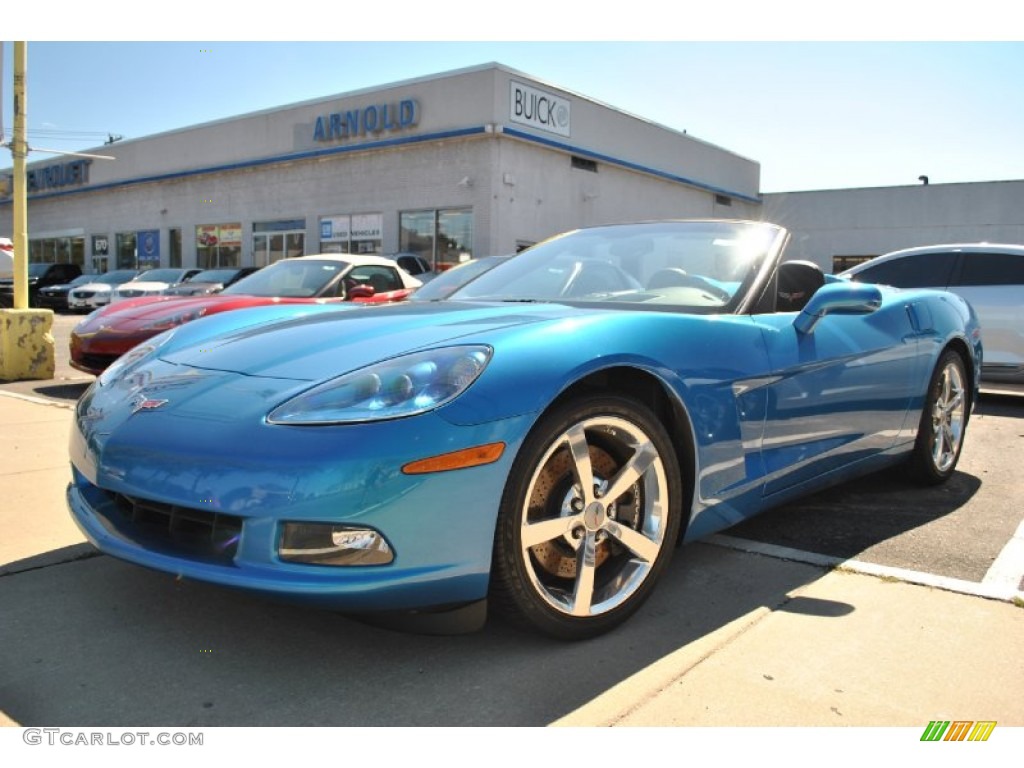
[(611, 531), (948, 416)]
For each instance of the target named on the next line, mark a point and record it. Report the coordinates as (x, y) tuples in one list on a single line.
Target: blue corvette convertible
[(542, 439)]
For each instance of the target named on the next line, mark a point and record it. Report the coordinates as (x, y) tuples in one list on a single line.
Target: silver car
[(97, 293), (990, 276)]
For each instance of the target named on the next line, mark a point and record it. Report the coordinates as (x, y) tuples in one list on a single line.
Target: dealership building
[(474, 162), (479, 161)]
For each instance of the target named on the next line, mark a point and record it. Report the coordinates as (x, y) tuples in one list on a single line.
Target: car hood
[(134, 314), (190, 288), (323, 346), (93, 287)]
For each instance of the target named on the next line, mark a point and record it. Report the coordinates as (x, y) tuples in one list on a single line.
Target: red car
[(111, 331)]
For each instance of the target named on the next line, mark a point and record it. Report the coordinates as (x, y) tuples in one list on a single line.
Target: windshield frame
[(261, 282), (728, 264)]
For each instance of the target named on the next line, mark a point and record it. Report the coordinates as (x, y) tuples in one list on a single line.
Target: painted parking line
[(993, 590), (1008, 569)]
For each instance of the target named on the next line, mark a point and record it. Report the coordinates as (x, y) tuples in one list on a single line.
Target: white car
[(6, 257), (98, 292), (152, 282), (989, 276)]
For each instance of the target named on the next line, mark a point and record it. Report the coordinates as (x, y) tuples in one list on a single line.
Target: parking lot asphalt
[(873, 604)]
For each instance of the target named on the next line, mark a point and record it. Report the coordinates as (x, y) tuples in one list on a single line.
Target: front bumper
[(95, 352), (90, 302), (237, 491)]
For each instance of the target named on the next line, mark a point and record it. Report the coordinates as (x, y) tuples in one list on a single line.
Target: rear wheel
[(940, 435), (589, 518)]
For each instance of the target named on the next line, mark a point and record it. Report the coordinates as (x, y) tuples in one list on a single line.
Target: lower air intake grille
[(195, 532)]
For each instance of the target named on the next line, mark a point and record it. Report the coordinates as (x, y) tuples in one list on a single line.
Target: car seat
[(798, 280)]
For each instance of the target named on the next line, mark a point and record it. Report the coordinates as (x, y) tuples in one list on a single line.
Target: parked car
[(55, 297), (443, 285), (210, 281), (104, 336), (542, 439), (990, 276), (6, 258), (39, 276), (153, 282), (97, 292), (412, 263)]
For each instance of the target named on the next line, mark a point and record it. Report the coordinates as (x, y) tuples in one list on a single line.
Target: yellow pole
[(19, 150), (26, 344)]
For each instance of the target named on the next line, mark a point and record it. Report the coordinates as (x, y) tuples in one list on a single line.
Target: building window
[(174, 248), (57, 250), (125, 250), (582, 164), (443, 237), (352, 233), (219, 245), (723, 200), (276, 240)]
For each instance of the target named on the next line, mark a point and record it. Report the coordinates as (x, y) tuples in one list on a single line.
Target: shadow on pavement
[(99, 642), (67, 392), (846, 520)]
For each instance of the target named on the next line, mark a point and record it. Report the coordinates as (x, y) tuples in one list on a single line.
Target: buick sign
[(539, 109)]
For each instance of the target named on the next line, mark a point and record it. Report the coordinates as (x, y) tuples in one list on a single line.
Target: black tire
[(944, 417), (586, 565)]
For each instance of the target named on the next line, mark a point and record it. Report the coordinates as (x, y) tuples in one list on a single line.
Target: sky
[(817, 113)]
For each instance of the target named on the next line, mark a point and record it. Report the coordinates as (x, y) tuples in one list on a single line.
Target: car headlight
[(132, 359), (403, 386), (175, 320)]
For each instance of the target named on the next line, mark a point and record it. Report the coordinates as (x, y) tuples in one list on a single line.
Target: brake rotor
[(556, 483)]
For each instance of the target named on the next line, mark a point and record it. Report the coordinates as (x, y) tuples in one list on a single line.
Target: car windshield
[(698, 266), (160, 276), (115, 278), (292, 278), (445, 284), (214, 276), (37, 270)]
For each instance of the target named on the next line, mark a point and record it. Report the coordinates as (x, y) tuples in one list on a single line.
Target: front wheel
[(940, 435), (589, 518)]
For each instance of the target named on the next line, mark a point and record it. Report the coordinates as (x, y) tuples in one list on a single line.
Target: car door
[(993, 283), (839, 393)]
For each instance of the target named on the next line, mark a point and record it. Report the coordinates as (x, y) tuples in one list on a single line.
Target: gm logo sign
[(539, 109), (958, 730)]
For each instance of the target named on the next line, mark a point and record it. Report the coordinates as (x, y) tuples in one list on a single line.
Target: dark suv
[(39, 276)]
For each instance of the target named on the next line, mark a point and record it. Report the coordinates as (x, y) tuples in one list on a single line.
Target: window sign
[(218, 245), (148, 244), (367, 233), (367, 226), (355, 233), (100, 245), (334, 229)]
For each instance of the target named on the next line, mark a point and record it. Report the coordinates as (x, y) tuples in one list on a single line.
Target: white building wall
[(465, 151), (873, 221), (540, 194)]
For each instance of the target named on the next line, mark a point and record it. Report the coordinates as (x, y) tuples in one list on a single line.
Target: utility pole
[(26, 344), (19, 151)]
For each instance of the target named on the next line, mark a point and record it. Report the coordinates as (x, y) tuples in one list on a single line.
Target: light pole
[(19, 151), (26, 344)]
